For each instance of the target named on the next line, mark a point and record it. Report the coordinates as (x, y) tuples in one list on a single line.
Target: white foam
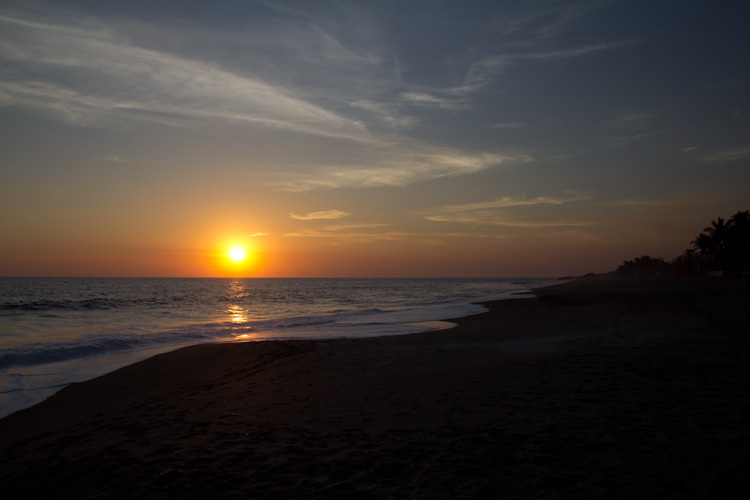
[(25, 386)]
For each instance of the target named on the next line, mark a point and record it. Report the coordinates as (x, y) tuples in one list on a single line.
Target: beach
[(602, 387)]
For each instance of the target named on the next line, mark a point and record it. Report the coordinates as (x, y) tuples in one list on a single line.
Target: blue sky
[(362, 138)]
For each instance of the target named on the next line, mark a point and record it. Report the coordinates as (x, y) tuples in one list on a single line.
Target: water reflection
[(237, 289), (237, 313)]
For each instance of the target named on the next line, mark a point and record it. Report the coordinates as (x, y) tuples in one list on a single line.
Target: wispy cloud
[(496, 213), (481, 73), (515, 201), (350, 237), (484, 71), (361, 237), (545, 20), (734, 154), (387, 113), (494, 220), (431, 100), (92, 74), (323, 214), (510, 125), (5, 99), (111, 159), (257, 235), (534, 32), (630, 127), (667, 201), (632, 120), (400, 167), (366, 232), (575, 51), (349, 227), (620, 141)]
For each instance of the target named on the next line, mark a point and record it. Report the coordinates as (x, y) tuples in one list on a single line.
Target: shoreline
[(602, 386), (31, 373)]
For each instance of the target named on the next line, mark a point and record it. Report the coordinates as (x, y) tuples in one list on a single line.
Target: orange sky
[(499, 140), (185, 251)]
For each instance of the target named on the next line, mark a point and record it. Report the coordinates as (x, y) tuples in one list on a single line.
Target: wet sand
[(599, 388)]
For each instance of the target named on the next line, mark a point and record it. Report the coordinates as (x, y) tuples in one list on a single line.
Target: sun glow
[(237, 254), (235, 258)]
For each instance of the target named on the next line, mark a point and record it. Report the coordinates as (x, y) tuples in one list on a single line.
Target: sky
[(358, 138)]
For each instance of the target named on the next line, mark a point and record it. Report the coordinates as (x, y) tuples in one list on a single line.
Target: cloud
[(575, 51), (669, 201), (6, 100), (323, 214), (734, 154), (621, 141), (545, 20), (348, 227), (535, 35), (516, 201), (355, 237), (257, 235), (353, 234), (386, 113), (494, 212), (427, 100), (630, 127), (632, 120), (493, 220), (399, 167), (511, 125), (88, 73), (349, 237), (484, 71), (111, 159), (310, 73), (527, 33)]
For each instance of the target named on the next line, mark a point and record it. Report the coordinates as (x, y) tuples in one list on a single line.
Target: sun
[(237, 254), (235, 258)]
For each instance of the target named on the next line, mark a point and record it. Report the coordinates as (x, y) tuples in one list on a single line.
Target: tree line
[(721, 249)]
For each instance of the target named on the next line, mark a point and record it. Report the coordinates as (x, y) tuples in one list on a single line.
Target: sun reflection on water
[(237, 313)]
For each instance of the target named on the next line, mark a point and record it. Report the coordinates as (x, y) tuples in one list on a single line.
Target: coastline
[(604, 387), (54, 332)]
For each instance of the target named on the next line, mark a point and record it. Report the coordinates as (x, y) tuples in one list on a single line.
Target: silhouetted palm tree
[(722, 246), (688, 263), (717, 231), (738, 242), (711, 243), (704, 245)]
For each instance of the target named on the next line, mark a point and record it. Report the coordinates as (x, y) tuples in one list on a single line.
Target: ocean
[(58, 331)]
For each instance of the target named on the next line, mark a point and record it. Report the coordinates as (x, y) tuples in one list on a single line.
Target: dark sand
[(599, 388)]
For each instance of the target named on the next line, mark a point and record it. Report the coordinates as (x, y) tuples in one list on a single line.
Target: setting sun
[(237, 254), (235, 258)]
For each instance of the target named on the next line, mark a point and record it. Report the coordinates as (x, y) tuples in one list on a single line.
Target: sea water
[(58, 331)]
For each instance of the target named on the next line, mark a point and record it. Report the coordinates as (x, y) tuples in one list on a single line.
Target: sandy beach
[(598, 388)]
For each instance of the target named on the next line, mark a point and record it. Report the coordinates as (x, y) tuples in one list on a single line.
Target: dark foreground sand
[(599, 388)]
